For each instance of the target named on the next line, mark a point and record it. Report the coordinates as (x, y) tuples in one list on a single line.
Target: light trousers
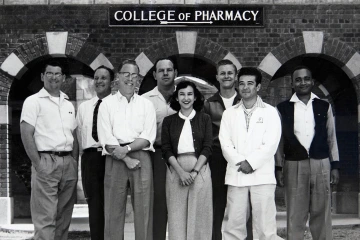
[(53, 195), (307, 192), (262, 199), (117, 179), (189, 207)]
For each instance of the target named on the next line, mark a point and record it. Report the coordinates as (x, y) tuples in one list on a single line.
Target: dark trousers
[(218, 165), (92, 172), (160, 217)]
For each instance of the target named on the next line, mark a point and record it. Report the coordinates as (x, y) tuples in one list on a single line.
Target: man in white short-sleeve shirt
[(47, 131), (92, 160)]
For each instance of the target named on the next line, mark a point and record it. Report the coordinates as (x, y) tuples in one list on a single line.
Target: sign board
[(186, 16)]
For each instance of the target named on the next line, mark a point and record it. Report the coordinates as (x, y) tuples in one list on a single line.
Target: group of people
[(204, 169)]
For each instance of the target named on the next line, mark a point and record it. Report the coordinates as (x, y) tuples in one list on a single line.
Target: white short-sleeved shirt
[(84, 120), (54, 122), (120, 121)]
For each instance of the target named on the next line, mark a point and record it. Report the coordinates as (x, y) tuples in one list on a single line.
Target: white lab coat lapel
[(254, 118)]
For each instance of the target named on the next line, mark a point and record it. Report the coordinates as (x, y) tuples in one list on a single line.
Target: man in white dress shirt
[(127, 131), (47, 127), (249, 136), (164, 74), (308, 155), (92, 161)]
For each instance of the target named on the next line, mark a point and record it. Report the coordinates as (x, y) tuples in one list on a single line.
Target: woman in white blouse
[(186, 146)]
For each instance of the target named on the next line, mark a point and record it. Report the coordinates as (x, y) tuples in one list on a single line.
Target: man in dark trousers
[(215, 106), (92, 161), (164, 74), (307, 159)]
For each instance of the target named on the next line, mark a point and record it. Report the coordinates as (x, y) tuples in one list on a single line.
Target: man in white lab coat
[(249, 135)]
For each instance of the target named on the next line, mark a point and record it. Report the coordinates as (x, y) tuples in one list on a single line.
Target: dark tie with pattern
[(94, 126)]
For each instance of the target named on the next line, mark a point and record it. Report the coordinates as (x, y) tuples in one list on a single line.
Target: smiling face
[(128, 77), (186, 98), (247, 87), (226, 76), (165, 73), (102, 82), (53, 79), (302, 82)]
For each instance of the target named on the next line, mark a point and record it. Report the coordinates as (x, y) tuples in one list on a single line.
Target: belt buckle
[(99, 149)]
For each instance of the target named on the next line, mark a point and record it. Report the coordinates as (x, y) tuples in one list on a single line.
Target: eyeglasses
[(127, 75), (50, 74)]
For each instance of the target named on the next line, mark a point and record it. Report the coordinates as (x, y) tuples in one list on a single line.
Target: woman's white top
[(186, 141)]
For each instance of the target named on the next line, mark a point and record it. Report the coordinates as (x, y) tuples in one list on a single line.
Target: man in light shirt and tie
[(127, 131), (92, 161), (307, 160)]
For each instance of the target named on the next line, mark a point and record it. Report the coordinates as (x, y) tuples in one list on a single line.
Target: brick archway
[(56, 44), (347, 59), (313, 43), (184, 42)]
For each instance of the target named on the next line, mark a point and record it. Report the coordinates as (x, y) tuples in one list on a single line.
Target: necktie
[(94, 126)]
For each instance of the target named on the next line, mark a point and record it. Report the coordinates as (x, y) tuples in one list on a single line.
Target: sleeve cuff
[(335, 165)]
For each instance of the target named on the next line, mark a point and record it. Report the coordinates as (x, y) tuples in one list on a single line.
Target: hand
[(132, 163), (185, 178), (334, 177), (193, 175), (279, 178), (119, 152), (244, 167)]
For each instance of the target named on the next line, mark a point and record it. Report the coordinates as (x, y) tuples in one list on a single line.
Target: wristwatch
[(193, 170), (128, 148)]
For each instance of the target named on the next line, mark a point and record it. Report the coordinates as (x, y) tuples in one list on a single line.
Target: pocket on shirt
[(138, 122)]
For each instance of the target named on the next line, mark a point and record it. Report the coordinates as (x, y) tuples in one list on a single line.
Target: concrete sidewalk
[(80, 222)]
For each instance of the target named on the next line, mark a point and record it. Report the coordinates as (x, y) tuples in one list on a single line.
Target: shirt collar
[(96, 99), (44, 93), (191, 116), (295, 98), (259, 103), (120, 96)]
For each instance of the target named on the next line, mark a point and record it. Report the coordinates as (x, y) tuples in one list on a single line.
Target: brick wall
[(23, 29), (4, 164)]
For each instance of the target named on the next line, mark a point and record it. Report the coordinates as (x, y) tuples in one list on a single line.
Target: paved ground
[(346, 226)]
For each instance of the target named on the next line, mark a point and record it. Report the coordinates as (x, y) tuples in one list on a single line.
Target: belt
[(60, 154), (93, 149), (124, 144)]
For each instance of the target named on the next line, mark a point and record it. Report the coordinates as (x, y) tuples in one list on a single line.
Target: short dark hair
[(298, 68), (54, 63), (250, 71), (166, 58), (111, 72), (199, 102), (128, 61), (225, 62)]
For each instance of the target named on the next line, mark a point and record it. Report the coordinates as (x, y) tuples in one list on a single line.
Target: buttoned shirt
[(53, 119), (304, 125), (249, 112), (120, 121), (84, 121), (162, 109), (186, 140)]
